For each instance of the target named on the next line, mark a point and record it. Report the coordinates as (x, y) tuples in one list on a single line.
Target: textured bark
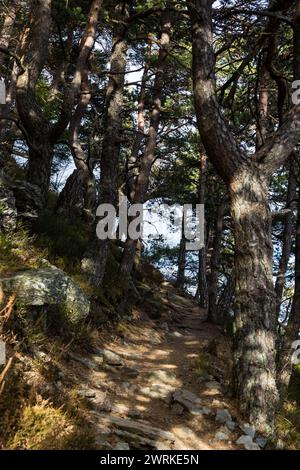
[(225, 304), (40, 133), (34, 51), (214, 265), (8, 26), (79, 194), (202, 291), (255, 300), (287, 236), (263, 105), (248, 179), (132, 163), (95, 259), (180, 280), (138, 194)]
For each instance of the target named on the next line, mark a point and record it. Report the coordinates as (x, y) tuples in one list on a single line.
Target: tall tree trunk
[(248, 178), (287, 236), (291, 333), (95, 259), (214, 265), (202, 290), (255, 300), (148, 158), (225, 304), (132, 163), (180, 280)]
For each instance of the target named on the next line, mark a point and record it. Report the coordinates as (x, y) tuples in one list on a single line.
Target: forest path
[(166, 384)]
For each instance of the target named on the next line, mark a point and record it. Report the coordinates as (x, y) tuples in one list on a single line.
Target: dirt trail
[(178, 354)]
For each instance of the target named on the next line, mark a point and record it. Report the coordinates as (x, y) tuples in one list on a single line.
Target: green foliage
[(66, 239)]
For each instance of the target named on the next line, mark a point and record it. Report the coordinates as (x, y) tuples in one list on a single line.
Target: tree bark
[(202, 290), (41, 135), (148, 158), (255, 300), (287, 236), (78, 197), (247, 177), (214, 266), (95, 259), (180, 280)]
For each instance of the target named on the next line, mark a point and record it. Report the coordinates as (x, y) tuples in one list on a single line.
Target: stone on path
[(122, 446), (261, 441), (93, 364), (252, 446), (248, 430), (189, 401), (223, 416), (245, 439), (109, 357), (140, 433)]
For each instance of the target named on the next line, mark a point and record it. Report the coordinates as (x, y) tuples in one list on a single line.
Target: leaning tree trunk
[(78, 196), (255, 299)]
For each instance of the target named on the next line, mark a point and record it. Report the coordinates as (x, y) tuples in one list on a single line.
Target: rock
[(8, 211), (48, 286), (189, 401), (165, 326), (122, 446), (221, 436), (130, 372), (28, 196), (245, 439), (90, 364), (140, 442), (102, 444), (230, 425), (206, 410), (109, 357), (87, 393), (143, 430), (261, 441), (223, 416), (176, 334), (248, 430), (252, 446)]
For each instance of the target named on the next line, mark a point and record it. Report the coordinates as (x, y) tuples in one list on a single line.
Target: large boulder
[(48, 286), (24, 197)]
